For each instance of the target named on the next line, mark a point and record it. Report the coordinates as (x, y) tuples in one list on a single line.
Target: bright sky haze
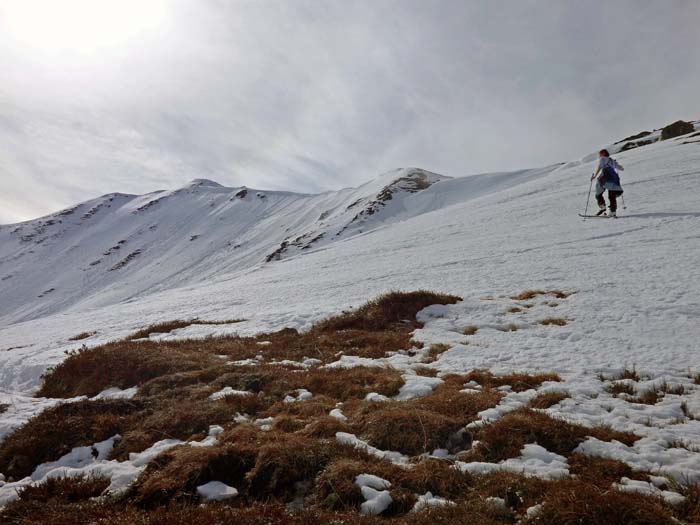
[(99, 96)]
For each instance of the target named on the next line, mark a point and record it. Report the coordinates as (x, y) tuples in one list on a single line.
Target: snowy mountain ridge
[(118, 246)]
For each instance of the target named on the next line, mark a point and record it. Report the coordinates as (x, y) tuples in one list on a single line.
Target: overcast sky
[(99, 96)]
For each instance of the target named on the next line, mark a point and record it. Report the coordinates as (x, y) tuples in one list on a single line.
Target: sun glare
[(81, 26)]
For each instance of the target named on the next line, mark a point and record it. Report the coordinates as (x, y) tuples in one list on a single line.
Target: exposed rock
[(678, 128), (634, 137)]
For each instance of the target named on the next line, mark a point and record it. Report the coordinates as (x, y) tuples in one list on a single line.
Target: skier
[(608, 179)]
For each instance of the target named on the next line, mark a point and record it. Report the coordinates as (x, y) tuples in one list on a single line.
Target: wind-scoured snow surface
[(276, 259)]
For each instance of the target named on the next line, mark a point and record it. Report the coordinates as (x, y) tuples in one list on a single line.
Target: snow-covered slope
[(117, 247)]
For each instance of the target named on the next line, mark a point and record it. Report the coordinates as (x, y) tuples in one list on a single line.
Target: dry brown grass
[(81, 336), (518, 381), (168, 326), (425, 371), (531, 294), (176, 473), (618, 388), (547, 399), (183, 514), (380, 326), (626, 373), (506, 437), (393, 308), (470, 330), (435, 351), (285, 462), (419, 425), (601, 472), (514, 310), (300, 458), (553, 321), (55, 431), (54, 491), (411, 431), (90, 371), (571, 503)]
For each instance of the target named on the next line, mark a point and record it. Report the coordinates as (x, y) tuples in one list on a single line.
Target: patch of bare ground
[(518, 381), (4, 407), (168, 326), (553, 321), (531, 294), (81, 336), (547, 399), (470, 329), (387, 310), (434, 352), (506, 437)]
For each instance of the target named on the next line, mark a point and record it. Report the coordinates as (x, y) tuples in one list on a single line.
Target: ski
[(595, 216)]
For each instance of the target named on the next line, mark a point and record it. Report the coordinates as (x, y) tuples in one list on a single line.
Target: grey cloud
[(315, 95)]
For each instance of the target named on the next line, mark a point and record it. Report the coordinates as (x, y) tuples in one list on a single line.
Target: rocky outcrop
[(678, 128)]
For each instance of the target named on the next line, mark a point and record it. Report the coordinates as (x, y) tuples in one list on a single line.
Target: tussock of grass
[(380, 326), (435, 351), (81, 336), (4, 407), (54, 491), (547, 399), (387, 310), (527, 294), (419, 425), (176, 473), (184, 514), (514, 310), (506, 437), (601, 472), (470, 330), (411, 431), (285, 462), (554, 321), (168, 326), (57, 430), (531, 294), (626, 373), (618, 388), (576, 503), (183, 419), (425, 371), (518, 381), (90, 371)]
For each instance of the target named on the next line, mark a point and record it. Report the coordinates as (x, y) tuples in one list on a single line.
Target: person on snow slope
[(608, 179)]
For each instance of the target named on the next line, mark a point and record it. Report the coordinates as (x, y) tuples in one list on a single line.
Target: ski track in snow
[(635, 300)]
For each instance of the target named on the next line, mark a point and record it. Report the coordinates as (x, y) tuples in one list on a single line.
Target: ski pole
[(590, 187), (624, 206)]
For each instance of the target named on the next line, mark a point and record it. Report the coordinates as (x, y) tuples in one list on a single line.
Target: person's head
[(603, 153)]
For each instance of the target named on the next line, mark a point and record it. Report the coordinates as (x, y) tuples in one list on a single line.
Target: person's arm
[(597, 171)]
